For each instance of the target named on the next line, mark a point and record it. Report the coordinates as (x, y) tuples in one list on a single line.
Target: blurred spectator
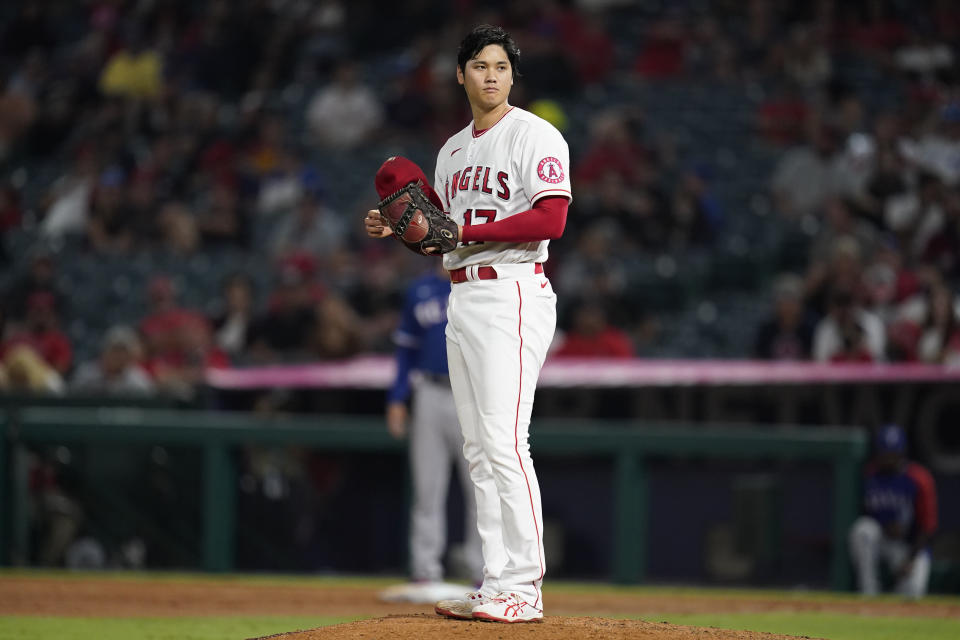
[(886, 284), (116, 371), (163, 318), (924, 327), (873, 27), (266, 154), (449, 111), (18, 103), (940, 339), (784, 115), (376, 294), (842, 268), (11, 217), (594, 267), (924, 56), (589, 33), (337, 333), (190, 351), (109, 226), (938, 151), (804, 178), (848, 333), (280, 173), (222, 218), (788, 333), (942, 247), (592, 336), (67, 97), (663, 49), (839, 221), (716, 52), (844, 114), (69, 197), (23, 370), (757, 36), (806, 60), (886, 171), (613, 147), (641, 216), (344, 113), (899, 519), (284, 330), (134, 71), (178, 229), (41, 332), (551, 111), (282, 190), (854, 168), (327, 34), (916, 216), (232, 325), (407, 106), (697, 216), (310, 227), (40, 278)]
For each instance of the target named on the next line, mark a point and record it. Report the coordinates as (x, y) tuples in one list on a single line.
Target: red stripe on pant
[(516, 440)]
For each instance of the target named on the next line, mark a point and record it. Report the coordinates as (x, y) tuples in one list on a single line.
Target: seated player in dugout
[(899, 519), (504, 180)]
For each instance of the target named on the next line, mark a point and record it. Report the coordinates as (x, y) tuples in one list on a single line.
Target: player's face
[(487, 78)]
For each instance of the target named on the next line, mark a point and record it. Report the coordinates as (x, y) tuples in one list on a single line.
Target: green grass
[(833, 626), (205, 628)]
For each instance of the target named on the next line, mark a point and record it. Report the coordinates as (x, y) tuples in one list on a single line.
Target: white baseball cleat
[(422, 592), (461, 608), (507, 607)]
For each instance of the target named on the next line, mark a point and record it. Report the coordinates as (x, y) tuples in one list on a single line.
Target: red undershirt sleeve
[(926, 500), (545, 221)]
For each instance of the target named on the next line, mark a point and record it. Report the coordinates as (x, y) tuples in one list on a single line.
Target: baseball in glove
[(412, 208)]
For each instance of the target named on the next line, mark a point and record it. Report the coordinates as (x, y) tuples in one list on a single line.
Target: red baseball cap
[(396, 173)]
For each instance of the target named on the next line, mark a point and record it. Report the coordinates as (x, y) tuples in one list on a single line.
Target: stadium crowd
[(173, 129)]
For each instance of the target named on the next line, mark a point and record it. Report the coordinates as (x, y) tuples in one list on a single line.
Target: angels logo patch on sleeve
[(550, 170)]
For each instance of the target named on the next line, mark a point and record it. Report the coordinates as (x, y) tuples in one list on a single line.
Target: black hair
[(482, 36)]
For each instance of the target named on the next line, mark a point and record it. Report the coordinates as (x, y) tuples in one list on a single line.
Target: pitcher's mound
[(553, 628)]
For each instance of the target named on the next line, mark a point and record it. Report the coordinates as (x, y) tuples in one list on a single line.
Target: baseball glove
[(417, 222)]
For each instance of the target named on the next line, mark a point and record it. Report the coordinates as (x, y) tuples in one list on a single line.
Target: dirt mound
[(426, 626)]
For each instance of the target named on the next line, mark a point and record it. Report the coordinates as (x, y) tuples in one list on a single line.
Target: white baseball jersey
[(498, 173)]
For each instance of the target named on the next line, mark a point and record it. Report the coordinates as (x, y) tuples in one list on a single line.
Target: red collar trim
[(479, 132)]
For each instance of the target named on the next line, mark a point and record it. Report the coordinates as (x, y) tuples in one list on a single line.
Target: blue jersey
[(906, 498), (421, 338)]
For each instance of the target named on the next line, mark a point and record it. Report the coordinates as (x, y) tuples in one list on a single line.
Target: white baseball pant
[(868, 547), (498, 333)]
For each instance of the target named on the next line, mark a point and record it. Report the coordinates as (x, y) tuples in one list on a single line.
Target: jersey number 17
[(488, 215)]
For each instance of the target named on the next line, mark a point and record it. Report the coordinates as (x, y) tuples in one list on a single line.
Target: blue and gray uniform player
[(436, 443), (899, 519)]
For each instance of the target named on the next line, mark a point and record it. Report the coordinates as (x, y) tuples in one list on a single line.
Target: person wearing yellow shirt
[(132, 73)]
